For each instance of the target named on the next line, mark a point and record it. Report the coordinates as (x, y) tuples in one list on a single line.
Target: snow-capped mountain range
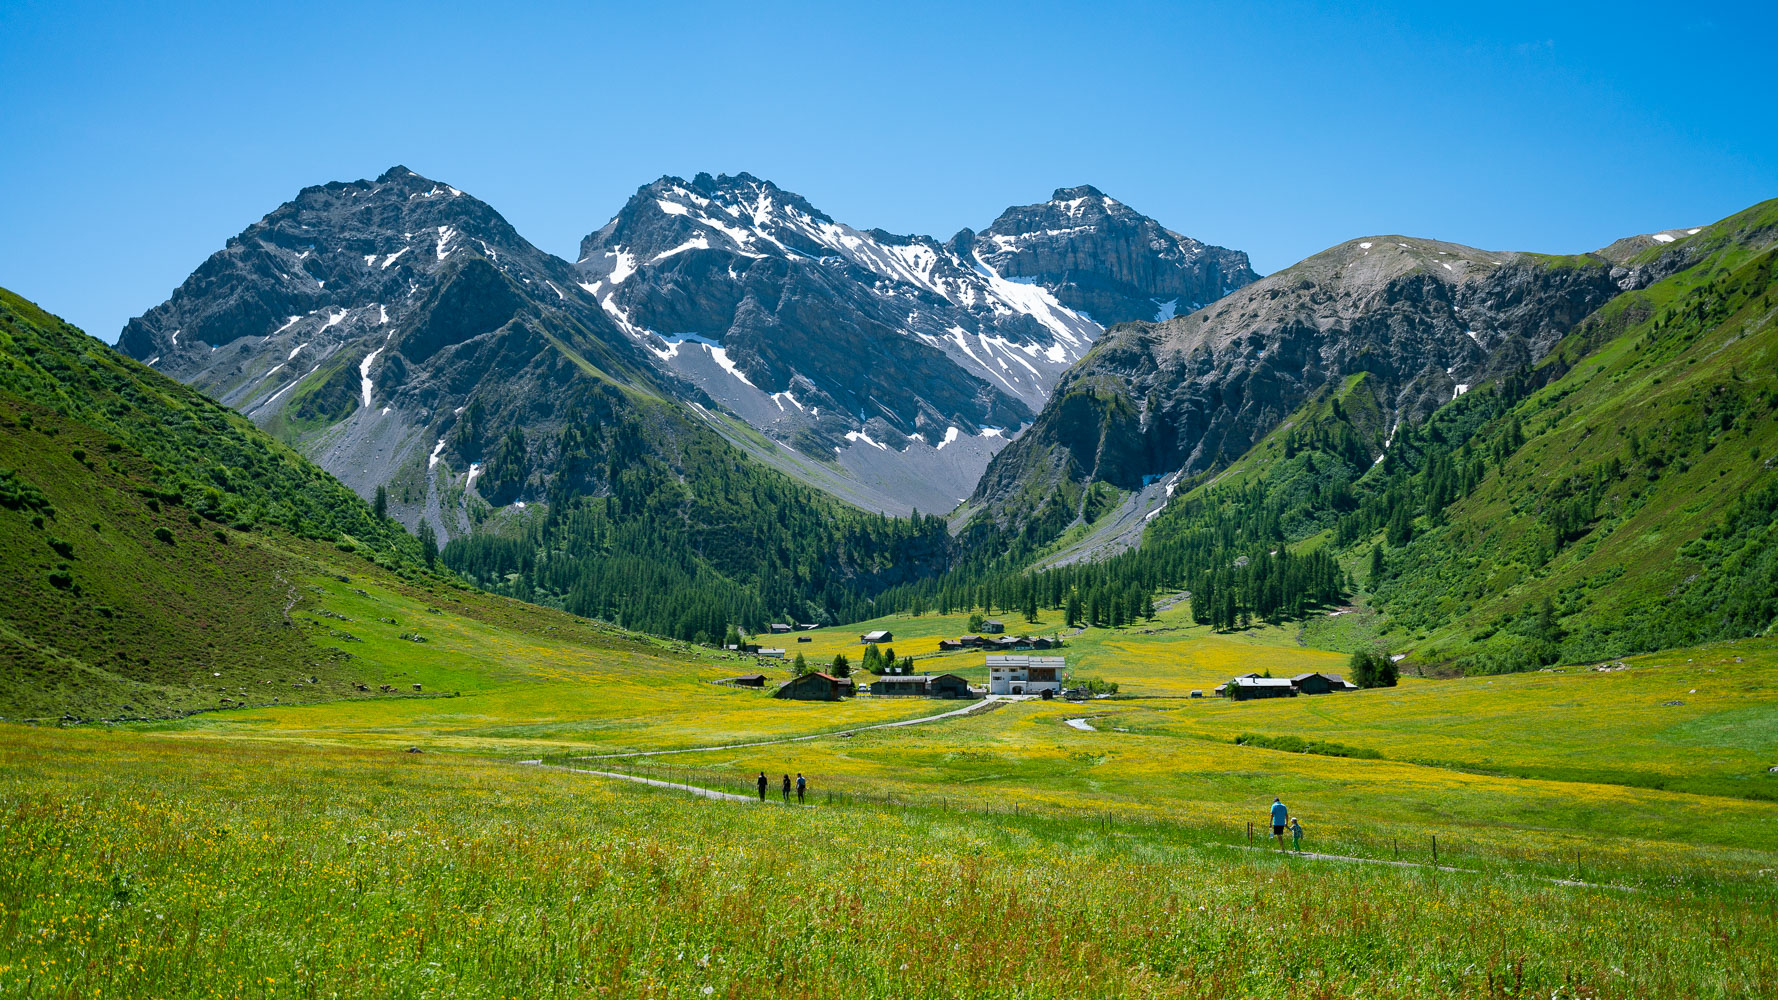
[(884, 351), (361, 320)]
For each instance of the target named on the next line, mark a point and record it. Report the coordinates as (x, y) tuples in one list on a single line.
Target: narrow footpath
[(708, 793), (711, 793)]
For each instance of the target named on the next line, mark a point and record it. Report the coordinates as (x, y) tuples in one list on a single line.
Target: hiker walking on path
[(787, 789), (762, 786), (1280, 815), (802, 785), (1296, 834)]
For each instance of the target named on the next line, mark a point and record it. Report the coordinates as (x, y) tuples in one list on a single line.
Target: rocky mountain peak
[(1104, 259), (1073, 193), (343, 245)]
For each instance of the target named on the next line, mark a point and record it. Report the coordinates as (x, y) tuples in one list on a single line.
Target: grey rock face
[(873, 351), (359, 321), (1101, 258), (362, 321), (1426, 319)]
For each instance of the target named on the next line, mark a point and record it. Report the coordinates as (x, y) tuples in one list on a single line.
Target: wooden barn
[(746, 681), (891, 685), (1318, 683), (879, 636), (947, 686), (1249, 688), (816, 687)]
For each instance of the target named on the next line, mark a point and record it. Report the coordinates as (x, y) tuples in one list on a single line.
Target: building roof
[(746, 677), (1262, 682), (882, 632), (1025, 660), (1331, 678), (904, 678)]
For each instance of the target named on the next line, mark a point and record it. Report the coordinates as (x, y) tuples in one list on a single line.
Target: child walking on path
[(1296, 834)]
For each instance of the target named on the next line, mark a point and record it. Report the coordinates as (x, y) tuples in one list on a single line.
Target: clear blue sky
[(138, 140)]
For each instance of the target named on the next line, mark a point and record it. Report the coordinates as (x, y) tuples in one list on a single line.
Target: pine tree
[(1401, 524), (1549, 627), (428, 543), (800, 665), (841, 667), (380, 505), (1377, 565)]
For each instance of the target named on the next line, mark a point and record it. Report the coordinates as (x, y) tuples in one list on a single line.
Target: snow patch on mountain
[(364, 374)]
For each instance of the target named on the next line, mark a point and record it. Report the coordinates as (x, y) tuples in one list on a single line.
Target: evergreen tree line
[(678, 535), (1229, 540)]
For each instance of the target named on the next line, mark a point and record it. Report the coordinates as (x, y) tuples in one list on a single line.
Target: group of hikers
[(1281, 820), (802, 787)]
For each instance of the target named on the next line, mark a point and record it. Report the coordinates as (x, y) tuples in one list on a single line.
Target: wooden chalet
[(816, 687)]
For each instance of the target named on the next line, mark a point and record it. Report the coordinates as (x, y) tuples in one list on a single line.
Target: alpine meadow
[(752, 601)]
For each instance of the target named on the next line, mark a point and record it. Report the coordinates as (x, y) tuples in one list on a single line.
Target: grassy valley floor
[(142, 865), (298, 850)]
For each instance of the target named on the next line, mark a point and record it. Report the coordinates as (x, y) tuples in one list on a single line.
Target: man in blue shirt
[(1280, 816)]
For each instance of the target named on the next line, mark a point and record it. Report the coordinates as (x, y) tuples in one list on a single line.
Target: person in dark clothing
[(763, 782), (787, 789), (802, 785)]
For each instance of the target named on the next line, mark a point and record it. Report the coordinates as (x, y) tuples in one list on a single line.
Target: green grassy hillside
[(164, 556), (1631, 487)]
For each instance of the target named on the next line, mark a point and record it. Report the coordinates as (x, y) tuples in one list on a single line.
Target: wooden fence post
[(1435, 850)]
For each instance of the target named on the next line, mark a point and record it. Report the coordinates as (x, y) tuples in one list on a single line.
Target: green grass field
[(140, 865), (297, 850)]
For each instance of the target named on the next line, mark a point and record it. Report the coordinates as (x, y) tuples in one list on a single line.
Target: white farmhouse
[(1019, 673)]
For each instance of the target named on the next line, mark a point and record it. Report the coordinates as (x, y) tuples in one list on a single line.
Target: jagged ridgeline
[(1604, 485)]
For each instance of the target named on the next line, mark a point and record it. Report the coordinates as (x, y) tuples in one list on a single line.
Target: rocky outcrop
[(1101, 258), (360, 320), (1426, 320), (897, 363)]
